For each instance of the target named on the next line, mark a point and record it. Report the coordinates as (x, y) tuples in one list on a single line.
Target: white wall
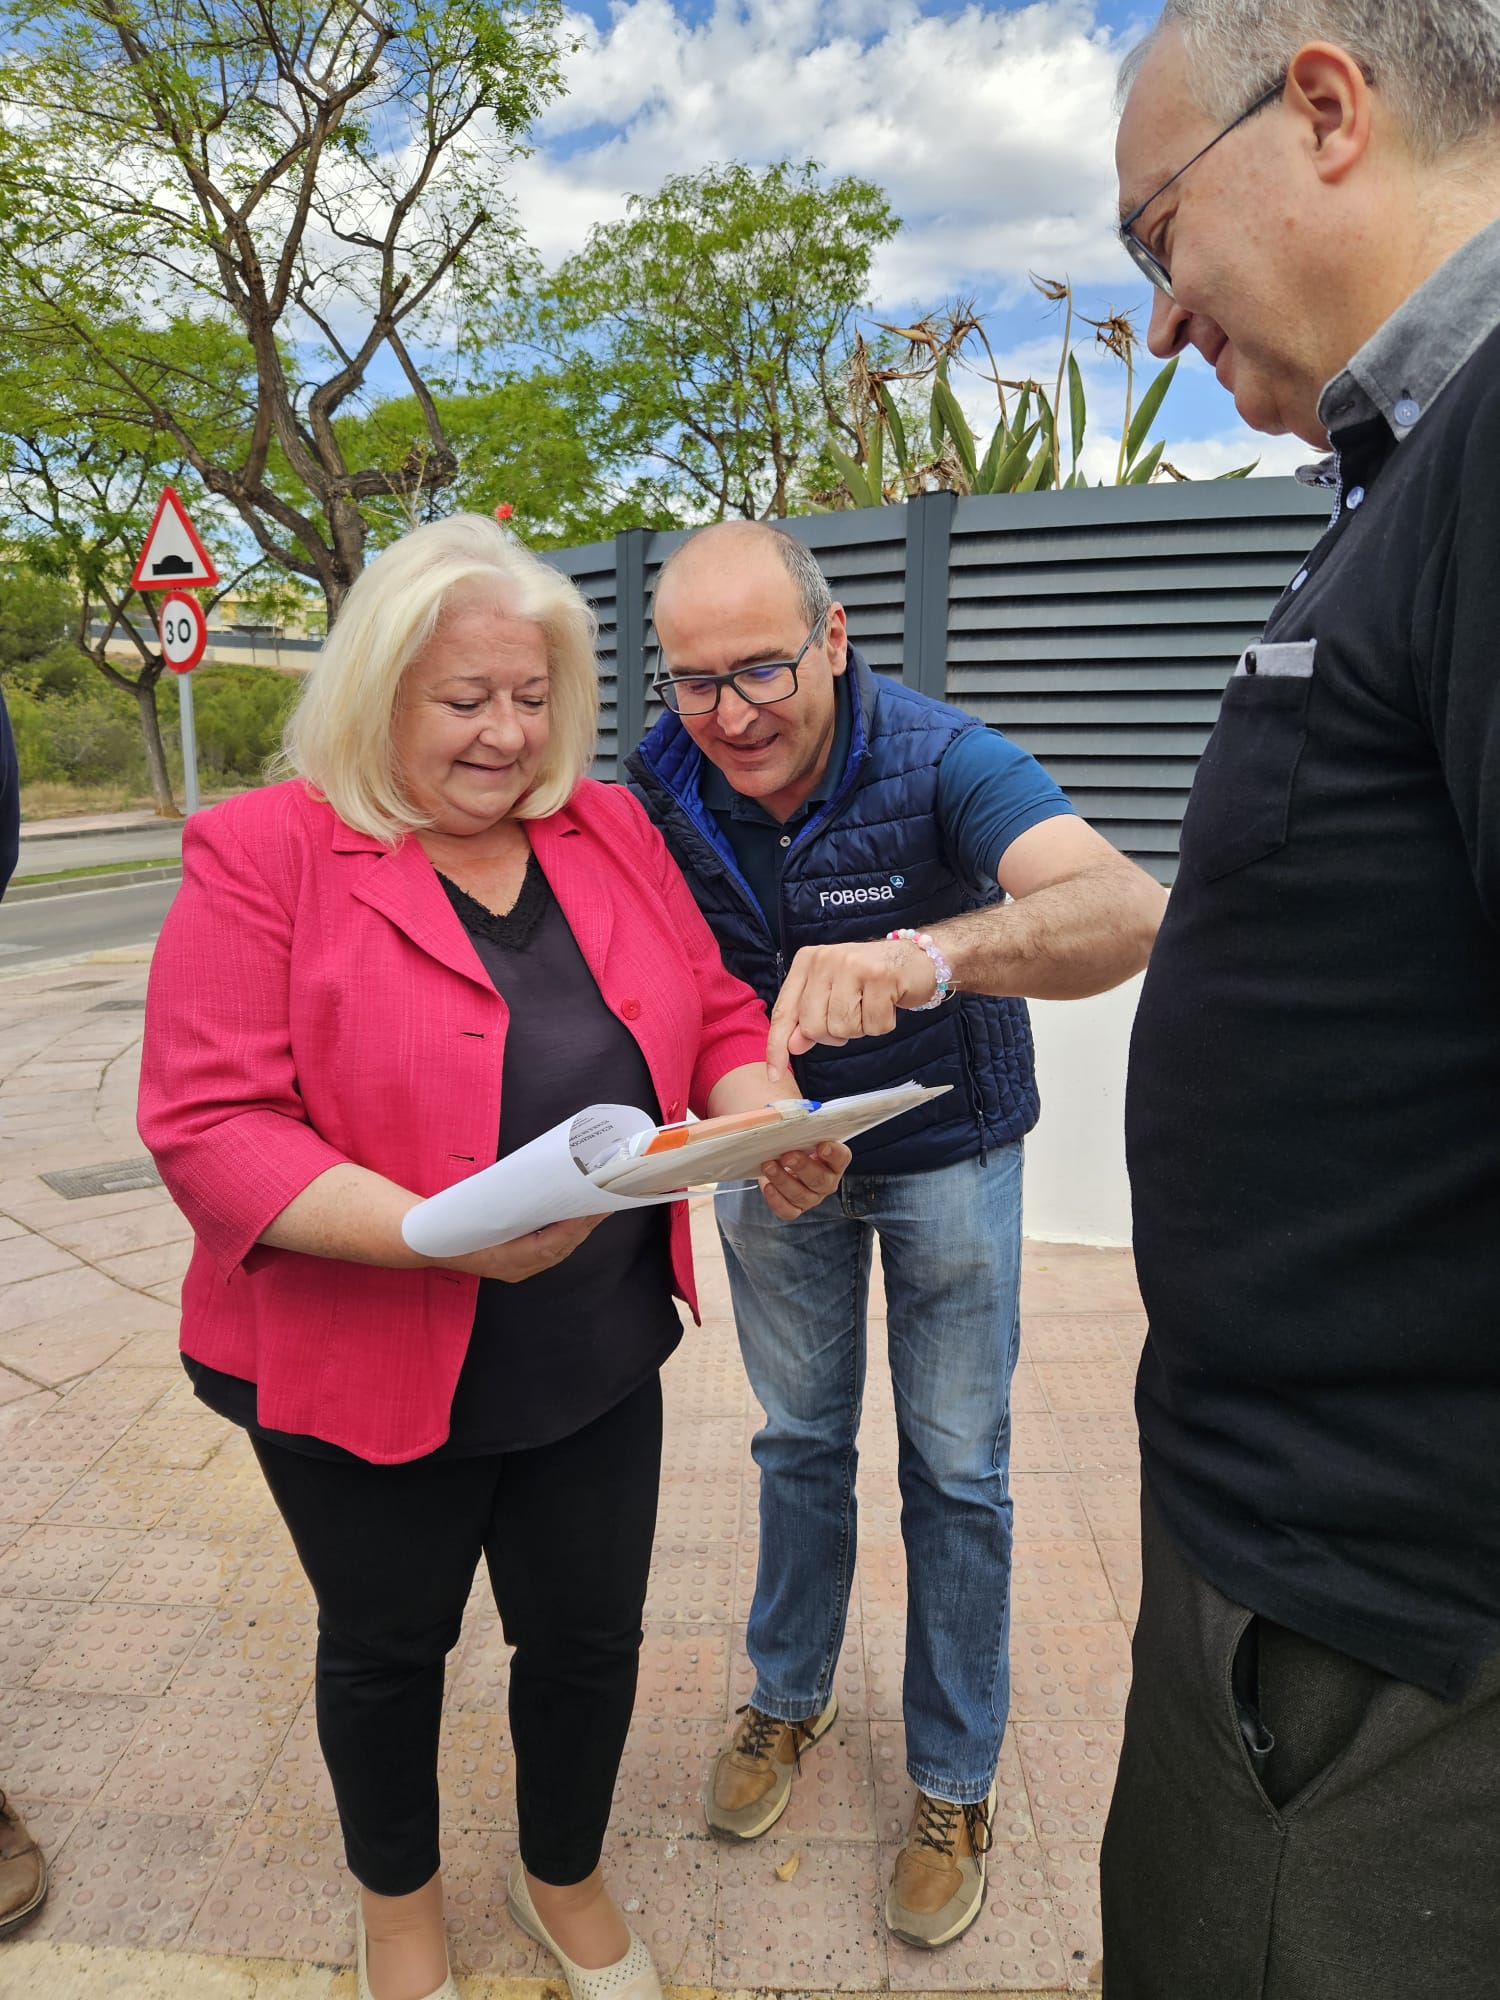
[(1076, 1190)]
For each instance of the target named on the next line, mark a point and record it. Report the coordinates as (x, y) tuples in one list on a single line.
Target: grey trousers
[(1289, 1824)]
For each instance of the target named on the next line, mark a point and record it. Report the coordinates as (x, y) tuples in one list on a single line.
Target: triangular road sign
[(173, 555)]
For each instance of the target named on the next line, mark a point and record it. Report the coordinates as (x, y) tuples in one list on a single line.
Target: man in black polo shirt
[(1308, 1805)]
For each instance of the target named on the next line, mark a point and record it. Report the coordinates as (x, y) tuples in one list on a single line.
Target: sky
[(990, 127)]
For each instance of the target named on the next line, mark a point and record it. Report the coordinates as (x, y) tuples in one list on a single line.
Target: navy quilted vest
[(872, 860)]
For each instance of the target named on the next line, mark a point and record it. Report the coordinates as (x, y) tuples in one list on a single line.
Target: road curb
[(22, 891)]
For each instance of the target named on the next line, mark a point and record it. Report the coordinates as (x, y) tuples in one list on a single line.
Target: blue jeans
[(950, 1247)]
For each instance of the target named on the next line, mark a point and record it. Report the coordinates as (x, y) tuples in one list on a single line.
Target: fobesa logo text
[(842, 899)]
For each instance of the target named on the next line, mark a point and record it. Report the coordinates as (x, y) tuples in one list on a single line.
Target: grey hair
[(1436, 61), (801, 565)]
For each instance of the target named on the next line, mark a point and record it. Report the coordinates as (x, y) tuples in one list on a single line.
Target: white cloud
[(990, 128)]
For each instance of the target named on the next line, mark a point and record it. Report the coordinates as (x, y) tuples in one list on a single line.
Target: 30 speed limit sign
[(184, 632)]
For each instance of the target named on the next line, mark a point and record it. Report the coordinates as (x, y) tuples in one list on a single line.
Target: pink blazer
[(314, 999)]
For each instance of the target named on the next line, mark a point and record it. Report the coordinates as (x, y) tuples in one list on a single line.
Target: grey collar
[(1405, 365)]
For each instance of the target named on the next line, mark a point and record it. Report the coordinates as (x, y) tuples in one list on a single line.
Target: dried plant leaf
[(785, 1870)]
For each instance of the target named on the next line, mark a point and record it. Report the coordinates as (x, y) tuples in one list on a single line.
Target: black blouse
[(551, 1354)]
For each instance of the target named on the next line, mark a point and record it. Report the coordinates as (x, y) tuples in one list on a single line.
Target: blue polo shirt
[(989, 793)]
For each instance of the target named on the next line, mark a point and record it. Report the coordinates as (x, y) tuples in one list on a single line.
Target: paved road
[(40, 856), (93, 920)]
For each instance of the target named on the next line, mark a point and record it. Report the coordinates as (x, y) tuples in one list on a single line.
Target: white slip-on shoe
[(632, 1977), (447, 1991)]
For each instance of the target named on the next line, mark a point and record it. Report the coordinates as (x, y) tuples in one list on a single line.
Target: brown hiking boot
[(23, 1871), (937, 1885), (751, 1780)]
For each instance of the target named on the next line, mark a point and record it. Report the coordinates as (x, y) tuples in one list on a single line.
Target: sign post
[(173, 557), (184, 635)]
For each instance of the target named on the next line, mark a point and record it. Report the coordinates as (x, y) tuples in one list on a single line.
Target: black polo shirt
[(1313, 1116)]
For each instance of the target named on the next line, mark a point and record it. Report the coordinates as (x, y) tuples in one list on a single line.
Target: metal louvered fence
[(1096, 627)]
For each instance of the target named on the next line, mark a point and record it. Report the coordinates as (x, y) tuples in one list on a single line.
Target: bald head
[(732, 550)]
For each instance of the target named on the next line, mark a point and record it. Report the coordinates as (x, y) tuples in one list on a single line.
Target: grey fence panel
[(1096, 628), (593, 570)]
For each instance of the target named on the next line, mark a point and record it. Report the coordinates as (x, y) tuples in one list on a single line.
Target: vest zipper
[(971, 1072)]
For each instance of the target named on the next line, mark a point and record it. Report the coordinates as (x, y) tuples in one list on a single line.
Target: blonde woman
[(433, 942)]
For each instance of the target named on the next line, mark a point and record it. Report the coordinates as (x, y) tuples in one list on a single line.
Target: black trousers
[(1288, 1823), (391, 1551)]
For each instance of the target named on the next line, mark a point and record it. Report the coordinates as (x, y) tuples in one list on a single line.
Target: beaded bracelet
[(940, 966)]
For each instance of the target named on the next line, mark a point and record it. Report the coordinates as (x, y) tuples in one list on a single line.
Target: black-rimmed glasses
[(687, 693), (1146, 259)]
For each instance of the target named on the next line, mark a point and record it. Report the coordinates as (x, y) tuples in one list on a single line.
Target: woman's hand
[(799, 1181), (510, 1263)]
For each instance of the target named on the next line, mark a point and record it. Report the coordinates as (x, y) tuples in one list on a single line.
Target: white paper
[(734, 1155), (559, 1176), (545, 1181)]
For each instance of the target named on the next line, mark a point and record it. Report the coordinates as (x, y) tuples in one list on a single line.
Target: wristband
[(940, 966)]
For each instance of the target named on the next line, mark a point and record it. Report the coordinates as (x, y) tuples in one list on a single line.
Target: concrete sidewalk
[(156, 1635)]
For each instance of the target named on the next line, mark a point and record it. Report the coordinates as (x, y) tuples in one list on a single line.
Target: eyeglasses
[(1145, 259), (687, 693)]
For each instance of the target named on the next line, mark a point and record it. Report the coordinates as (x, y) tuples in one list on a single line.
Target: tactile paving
[(482, 1938), (1073, 1878), (122, 1649), (119, 1390), (833, 1795), (882, 1578), (1034, 1443), (1099, 1440), (230, 1502), (271, 1573), (55, 1439), (1087, 1385), (684, 1670), (252, 1650), (1025, 1389), (29, 1628), (166, 1567), (1060, 1583), (133, 1878), (1112, 1502), (819, 1930), (476, 1771), (117, 1493), (659, 1792), (1070, 1773), (885, 1663), (65, 1746), (1012, 1944), (194, 1755), (57, 1560), (694, 1506), (1070, 1337), (1067, 1673), (668, 1891), (690, 1581), (183, 1439), (31, 1489), (283, 1892), (1122, 1565), (1048, 1508)]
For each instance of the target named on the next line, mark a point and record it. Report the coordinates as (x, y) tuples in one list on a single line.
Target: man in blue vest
[(852, 844)]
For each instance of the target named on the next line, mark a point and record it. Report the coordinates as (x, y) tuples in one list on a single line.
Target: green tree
[(79, 480), (36, 614), (717, 319), (548, 446), (317, 189)]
